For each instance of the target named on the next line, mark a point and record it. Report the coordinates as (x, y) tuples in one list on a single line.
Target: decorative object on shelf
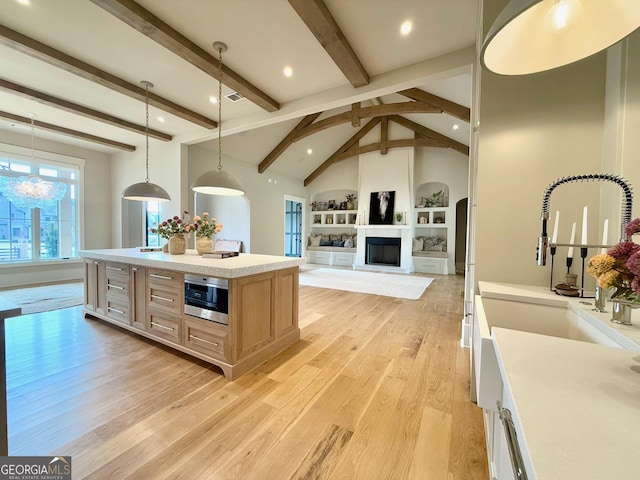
[(205, 226), (531, 36), (399, 217), (423, 219), (435, 200), (322, 206), (177, 244), (218, 182), (438, 219), (351, 201), (329, 220), (314, 206), (146, 191), (342, 206), (32, 191), (331, 205), (381, 208)]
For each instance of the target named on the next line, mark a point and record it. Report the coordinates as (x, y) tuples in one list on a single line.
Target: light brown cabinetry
[(95, 280), (263, 312), (117, 295)]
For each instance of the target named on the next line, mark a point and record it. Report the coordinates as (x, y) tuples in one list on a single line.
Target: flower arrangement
[(174, 226), (206, 226), (351, 197), (619, 268)]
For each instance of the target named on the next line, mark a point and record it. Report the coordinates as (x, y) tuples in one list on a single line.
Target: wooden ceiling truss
[(422, 102), (151, 26)]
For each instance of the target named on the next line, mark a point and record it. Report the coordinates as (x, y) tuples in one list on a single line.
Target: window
[(152, 216), (46, 233)]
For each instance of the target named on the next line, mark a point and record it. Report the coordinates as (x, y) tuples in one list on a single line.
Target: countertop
[(577, 403), (626, 335), (243, 265)]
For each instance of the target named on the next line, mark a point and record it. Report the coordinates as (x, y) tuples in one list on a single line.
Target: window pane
[(153, 216), (48, 172)]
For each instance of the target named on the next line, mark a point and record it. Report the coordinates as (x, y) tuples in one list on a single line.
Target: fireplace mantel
[(404, 232)]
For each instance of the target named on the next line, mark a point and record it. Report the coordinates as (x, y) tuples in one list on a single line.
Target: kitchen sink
[(535, 318)]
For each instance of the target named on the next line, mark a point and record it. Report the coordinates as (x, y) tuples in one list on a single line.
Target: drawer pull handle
[(512, 443), (158, 297), (111, 309), (117, 287), (162, 277), (159, 325), (135, 269), (193, 337), (97, 263), (109, 267)]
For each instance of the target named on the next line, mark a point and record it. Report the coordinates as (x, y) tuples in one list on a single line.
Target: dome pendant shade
[(146, 192), (531, 36), (218, 182)]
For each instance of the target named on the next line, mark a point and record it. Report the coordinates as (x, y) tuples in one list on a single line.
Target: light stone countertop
[(626, 335), (577, 405), (243, 265)]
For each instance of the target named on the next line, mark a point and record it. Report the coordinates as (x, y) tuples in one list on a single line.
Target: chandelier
[(32, 191)]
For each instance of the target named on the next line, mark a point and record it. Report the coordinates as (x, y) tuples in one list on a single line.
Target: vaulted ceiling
[(76, 65)]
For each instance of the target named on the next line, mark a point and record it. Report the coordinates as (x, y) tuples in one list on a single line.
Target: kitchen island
[(143, 292)]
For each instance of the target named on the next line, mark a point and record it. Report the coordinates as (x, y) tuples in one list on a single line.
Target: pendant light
[(218, 182), (32, 191), (146, 191), (531, 36)]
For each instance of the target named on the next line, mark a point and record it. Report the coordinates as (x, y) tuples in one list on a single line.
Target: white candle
[(605, 235), (554, 238), (573, 237), (585, 212)]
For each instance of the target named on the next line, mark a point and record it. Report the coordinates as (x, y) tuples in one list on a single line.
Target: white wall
[(533, 130), (265, 195), (97, 217)]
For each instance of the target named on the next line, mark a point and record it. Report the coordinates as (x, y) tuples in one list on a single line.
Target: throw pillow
[(314, 240), (348, 243), (418, 244), (338, 243), (325, 238), (326, 243)]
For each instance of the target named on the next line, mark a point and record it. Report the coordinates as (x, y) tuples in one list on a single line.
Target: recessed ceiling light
[(406, 27), (213, 99), (161, 119), (288, 71), (24, 2), (309, 151), (456, 126)]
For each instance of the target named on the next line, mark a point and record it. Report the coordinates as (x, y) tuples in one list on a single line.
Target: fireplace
[(383, 251)]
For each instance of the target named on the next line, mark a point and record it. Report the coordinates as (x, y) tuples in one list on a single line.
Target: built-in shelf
[(334, 218)]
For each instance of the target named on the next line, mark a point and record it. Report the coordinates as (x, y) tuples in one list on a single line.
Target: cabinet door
[(95, 295), (287, 301), (138, 297), (252, 315)]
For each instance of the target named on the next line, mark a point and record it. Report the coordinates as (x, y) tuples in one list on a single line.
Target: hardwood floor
[(377, 388)]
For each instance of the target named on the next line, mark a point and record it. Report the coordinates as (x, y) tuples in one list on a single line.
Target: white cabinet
[(431, 265)]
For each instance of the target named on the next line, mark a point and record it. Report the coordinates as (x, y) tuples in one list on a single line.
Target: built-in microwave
[(206, 298)]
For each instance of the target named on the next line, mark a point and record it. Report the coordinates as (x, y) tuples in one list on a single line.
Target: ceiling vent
[(235, 96)]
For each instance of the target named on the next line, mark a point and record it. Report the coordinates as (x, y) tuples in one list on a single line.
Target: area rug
[(45, 298), (390, 285)]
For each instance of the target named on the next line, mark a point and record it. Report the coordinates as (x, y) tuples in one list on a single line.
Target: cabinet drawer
[(430, 265), (165, 277), (117, 269), (118, 286), (205, 338), (117, 309), (343, 259), (164, 298), (323, 258), (164, 326)]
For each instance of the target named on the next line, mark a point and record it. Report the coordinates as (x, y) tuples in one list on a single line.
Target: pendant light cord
[(146, 130), (219, 109)]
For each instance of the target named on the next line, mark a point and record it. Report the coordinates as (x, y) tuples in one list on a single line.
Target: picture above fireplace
[(381, 208)]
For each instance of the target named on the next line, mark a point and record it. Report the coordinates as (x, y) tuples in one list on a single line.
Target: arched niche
[(324, 200), (432, 194)]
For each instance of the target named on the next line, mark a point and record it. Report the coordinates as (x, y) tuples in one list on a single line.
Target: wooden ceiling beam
[(352, 142), (427, 132), (286, 142), (151, 26), (81, 110), (367, 112), (42, 52), (67, 131), (455, 110), (318, 19)]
